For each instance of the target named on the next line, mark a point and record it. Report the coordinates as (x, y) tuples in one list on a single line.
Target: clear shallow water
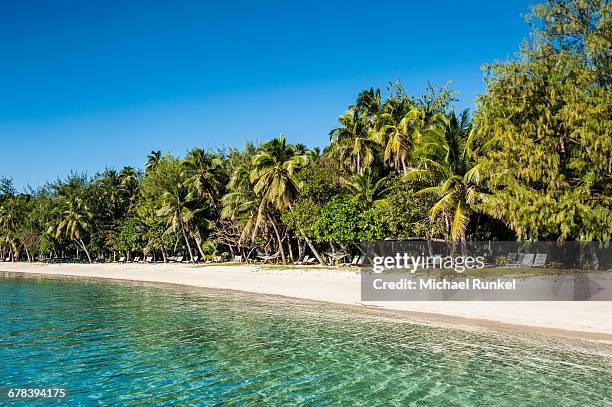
[(122, 344)]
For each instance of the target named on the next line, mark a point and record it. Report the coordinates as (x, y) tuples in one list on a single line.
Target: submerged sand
[(575, 318)]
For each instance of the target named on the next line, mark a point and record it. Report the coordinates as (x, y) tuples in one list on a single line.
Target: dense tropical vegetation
[(534, 162)]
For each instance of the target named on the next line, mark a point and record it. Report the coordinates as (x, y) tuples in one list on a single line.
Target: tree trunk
[(85, 249), (249, 253), (312, 248), (301, 249), (187, 242), (198, 239), (290, 248), (280, 242)]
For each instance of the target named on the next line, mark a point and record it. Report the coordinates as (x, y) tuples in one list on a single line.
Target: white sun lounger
[(540, 260), (528, 260), (266, 259), (307, 260)]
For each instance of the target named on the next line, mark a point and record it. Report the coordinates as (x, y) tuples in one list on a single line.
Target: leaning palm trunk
[(289, 246), (187, 241), (312, 248), (280, 242), (80, 241), (198, 239)]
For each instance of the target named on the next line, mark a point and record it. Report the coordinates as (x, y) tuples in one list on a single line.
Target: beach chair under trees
[(540, 260), (351, 263), (307, 260), (303, 260), (518, 260), (266, 258), (528, 260)]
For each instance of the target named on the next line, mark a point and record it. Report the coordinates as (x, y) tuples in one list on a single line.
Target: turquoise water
[(126, 344)]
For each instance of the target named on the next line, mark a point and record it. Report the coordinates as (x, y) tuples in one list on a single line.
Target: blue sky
[(86, 85)]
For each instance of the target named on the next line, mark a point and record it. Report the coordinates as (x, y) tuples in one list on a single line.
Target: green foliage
[(366, 187), (535, 163), (319, 183), (446, 170), (407, 214), (345, 220), (129, 237), (46, 243), (546, 122), (7, 189), (301, 217), (209, 247)]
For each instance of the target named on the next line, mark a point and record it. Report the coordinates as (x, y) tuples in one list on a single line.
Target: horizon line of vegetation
[(533, 162)]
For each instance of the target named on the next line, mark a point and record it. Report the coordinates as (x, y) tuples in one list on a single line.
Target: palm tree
[(444, 162), (241, 204), (73, 222), (397, 133), (274, 177), (111, 191), (152, 160), (369, 101), (352, 142), (128, 178), (274, 172), (7, 230), (365, 188), (201, 172), (176, 209)]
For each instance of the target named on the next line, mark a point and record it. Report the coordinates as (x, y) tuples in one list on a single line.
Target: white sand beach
[(568, 318)]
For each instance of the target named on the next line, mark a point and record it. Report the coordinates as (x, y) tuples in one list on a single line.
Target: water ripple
[(121, 344)]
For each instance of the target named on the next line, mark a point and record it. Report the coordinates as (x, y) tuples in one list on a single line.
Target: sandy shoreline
[(577, 319)]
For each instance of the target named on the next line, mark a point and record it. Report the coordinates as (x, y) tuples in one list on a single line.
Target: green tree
[(153, 160), (129, 237), (345, 220), (164, 177), (72, 222), (546, 121), (202, 173), (274, 178), (177, 209), (366, 187), (446, 170), (352, 143)]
